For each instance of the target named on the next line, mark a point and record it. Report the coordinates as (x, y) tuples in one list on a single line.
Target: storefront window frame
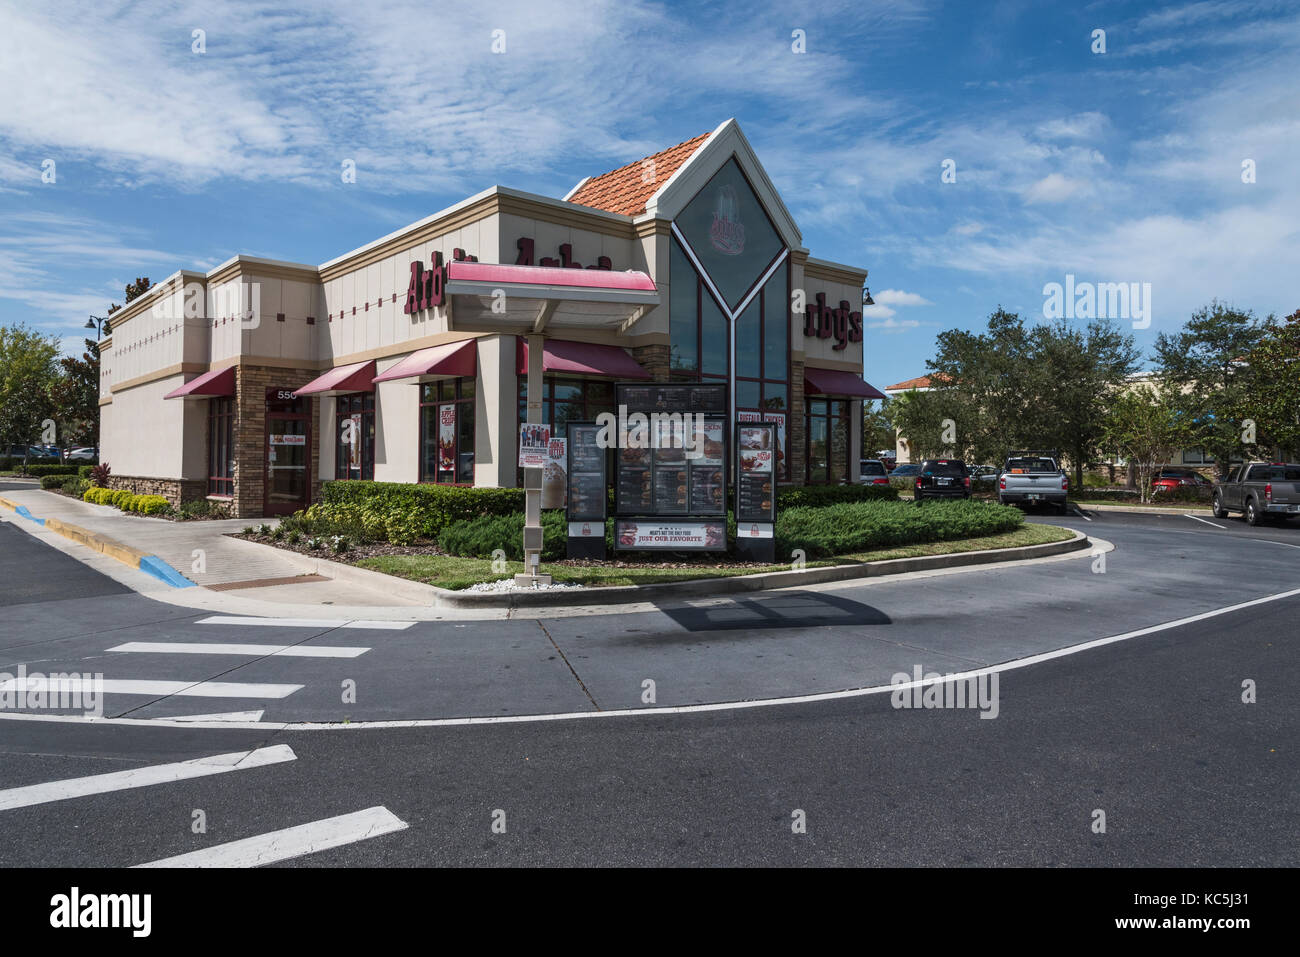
[(843, 418), (341, 471), (221, 439), (460, 400)]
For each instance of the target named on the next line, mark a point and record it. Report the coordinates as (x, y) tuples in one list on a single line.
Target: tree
[(1147, 425), (1273, 405), (28, 372), (877, 432), (1208, 363), (75, 395), (133, 290), (922, 418), (1077, 373)]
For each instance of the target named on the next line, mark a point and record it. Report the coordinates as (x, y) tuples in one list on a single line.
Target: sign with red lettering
[(822, 322), (525, 246)]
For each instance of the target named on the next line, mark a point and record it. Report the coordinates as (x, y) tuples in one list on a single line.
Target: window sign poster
[(534, 445), (354, 447), (554, 476), (446, 438), (670, 535)]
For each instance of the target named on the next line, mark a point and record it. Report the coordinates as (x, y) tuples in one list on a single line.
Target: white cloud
[(897, 297), (1052, 188)]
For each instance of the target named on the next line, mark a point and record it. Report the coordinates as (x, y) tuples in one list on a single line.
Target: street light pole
[(96, 323)]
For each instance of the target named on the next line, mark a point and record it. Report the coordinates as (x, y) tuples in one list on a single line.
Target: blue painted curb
[(159, 569), (22, 510)]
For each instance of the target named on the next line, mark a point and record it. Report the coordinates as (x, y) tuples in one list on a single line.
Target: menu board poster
[(586, 499), (755, 472), (667, 535), (534, 445), (555, 474), (777, 418)]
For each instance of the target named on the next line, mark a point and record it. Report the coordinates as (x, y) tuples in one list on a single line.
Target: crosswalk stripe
[(184, 689), (291, 842), (223, 716), (200, 648), (306, 622), (143, 777)]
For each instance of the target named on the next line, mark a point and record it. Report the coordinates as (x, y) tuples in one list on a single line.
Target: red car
[(1170, 479)]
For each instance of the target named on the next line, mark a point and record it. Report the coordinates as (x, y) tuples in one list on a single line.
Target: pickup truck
[(1259, 490), (1029, 478)]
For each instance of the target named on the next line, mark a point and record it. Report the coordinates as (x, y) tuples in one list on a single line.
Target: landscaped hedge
[(430, 508), (480, 537), (43, 470), (860, 526), (10, 463), (802, 496), (128, 501)]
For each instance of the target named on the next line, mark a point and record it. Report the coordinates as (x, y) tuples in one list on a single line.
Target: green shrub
[(53, 481), (430, 507), (43, 470), (480, 537), (802, 496), (85, 470), (74, 485), (860, 526), (148, 505)]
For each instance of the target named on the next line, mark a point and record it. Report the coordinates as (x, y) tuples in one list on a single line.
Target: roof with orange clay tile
[(627, 189)]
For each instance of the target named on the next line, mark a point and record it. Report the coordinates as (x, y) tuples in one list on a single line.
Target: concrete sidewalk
[(201, 551)]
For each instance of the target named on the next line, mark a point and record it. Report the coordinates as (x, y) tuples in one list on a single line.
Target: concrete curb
[(1143, 509), (699, 588), (127, 555)]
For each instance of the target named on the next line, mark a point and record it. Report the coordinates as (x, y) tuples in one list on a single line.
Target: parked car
[(1032, 478), (906, 470), (1259, 490), (1169, 479), (79, 454), (873, 472), (25, 452), (942, 478), (983, 475)]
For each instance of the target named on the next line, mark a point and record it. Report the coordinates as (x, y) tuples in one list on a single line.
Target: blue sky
[(1122, 166)]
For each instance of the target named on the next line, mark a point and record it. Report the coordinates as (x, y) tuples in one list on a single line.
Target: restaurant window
[(447, 432), (566, 400), (221, 445), (826, 430), (354, 436)]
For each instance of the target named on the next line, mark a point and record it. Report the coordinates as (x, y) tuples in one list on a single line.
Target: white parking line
[(291, 841), (306, 622), (143, 777), (1196, 518), (200, 648), (1078, 511), (184, 689)]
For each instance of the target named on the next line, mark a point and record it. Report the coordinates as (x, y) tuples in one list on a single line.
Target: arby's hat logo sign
[(727, 234)]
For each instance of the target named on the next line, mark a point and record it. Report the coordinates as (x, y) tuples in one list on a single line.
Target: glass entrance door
[(288, 457)]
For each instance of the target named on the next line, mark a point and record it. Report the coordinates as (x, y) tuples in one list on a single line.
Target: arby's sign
[(822, 322)]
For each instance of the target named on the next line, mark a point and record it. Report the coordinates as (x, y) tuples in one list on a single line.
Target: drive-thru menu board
[(755, 473), (680, 474), (586, 471)]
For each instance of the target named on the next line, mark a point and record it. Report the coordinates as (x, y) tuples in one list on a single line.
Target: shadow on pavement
[(787, 610)]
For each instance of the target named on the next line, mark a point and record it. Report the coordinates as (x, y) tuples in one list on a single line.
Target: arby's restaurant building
[(408, 359)]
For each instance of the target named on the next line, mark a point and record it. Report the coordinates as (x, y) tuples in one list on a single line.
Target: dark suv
[(942, 478)]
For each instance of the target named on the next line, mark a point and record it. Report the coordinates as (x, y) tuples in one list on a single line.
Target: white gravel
[(506, 585)]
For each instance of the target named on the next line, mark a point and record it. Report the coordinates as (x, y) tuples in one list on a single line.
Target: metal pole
[(533, 477)]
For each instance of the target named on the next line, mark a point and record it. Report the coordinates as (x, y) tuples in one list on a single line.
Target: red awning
[(832, 382), (218, 382), (358, 377), (449, 359), (581, 358)]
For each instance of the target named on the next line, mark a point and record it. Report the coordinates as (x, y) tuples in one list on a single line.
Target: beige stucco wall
[(142, 434)]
